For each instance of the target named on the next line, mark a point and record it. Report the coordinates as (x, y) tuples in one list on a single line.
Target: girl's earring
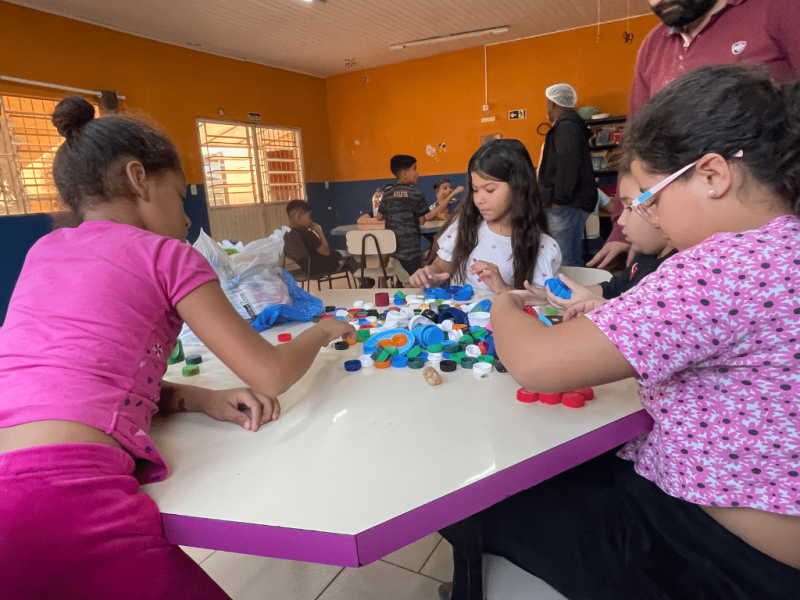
[(711, 193)]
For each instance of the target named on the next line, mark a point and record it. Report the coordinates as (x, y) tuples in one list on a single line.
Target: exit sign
[(513, 115), (254, 117)]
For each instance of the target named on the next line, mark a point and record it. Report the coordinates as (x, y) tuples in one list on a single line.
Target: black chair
[(295, 249)]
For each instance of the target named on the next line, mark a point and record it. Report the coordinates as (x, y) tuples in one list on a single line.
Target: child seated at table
[(446, 200), (323, 259), (404, 208), (497, 238), (93, 318), (707, 504), (647, 241)]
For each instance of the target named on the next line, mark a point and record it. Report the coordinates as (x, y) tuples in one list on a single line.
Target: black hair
[(297, 205), (89, 167), (723, 109), (401, 162), (440, 183), (504, 160)]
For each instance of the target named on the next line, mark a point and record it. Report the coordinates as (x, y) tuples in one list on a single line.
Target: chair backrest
[(295, 249), (585, 275), (385, 238)]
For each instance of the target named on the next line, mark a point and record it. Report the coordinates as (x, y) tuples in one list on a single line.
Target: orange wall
[(403, 108), (170, 84)]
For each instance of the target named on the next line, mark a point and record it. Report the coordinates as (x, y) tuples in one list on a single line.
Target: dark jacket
[(566, 175)]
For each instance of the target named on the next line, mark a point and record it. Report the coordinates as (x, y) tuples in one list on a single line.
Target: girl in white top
[(498, 238)]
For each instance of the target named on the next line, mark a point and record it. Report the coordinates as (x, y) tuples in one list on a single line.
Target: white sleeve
[(548, 262), (447, 242)]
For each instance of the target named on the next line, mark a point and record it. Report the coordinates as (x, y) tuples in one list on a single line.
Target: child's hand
[(229, 405), (579, 294), (457, 191), (427, 277), (335, 329), (583, 307), (489, 274)]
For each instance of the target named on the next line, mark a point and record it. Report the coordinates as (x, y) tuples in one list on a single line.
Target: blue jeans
[(567, 226)]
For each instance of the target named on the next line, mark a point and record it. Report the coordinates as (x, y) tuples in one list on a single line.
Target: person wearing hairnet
[(566, 176)]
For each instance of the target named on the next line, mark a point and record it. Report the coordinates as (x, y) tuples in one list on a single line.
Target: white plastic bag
[(251, 279)]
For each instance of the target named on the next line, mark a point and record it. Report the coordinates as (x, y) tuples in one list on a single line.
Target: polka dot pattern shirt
[(713, 335)]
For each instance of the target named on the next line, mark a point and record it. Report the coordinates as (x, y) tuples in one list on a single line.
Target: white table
[(361, 464), (429, 230)]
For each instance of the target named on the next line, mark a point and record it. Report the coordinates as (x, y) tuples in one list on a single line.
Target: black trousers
[(602, 532)]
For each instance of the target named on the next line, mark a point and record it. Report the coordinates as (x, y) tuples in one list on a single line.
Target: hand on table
[(583, 307), (229, 405), (579, 294), (335, 329), (427, 276), (608, 253), (489, 273)]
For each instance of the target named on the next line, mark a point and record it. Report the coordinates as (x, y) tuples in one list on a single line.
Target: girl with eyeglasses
[(707, 504)]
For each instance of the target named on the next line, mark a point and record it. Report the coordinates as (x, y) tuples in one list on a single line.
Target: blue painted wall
[(18, 233), (332, 204)]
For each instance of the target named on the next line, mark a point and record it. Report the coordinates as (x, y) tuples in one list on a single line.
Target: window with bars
[(28, 142), (250, 164)]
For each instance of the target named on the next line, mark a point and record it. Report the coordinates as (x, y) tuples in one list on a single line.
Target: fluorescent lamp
[(449, 38)]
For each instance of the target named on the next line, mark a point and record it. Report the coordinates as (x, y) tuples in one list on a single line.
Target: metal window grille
[(28, 142), (250, 164)]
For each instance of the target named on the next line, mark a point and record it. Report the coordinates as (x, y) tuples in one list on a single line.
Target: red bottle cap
[(527, 396), (382, 299), (550, 398), (587, 393), (572, 399), (284, 337)]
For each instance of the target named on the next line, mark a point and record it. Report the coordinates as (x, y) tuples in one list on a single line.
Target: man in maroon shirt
[(694, 33)]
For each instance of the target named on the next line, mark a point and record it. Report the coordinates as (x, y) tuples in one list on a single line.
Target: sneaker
[(446, 591)]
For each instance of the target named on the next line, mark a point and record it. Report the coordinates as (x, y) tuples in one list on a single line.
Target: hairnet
[(562, 94)]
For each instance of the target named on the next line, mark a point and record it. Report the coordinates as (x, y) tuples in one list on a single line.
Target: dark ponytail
[(723, 109), (89, 167)]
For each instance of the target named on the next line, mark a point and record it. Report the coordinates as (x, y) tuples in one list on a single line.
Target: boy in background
[(404, 208), (446, 200), (323, 259)]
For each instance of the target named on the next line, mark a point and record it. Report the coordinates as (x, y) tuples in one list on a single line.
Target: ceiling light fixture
[(449, 38)]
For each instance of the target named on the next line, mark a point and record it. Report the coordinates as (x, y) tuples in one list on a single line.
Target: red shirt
[(744, 31)]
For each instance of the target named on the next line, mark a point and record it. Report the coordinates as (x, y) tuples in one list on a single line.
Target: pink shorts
[(75, 526)]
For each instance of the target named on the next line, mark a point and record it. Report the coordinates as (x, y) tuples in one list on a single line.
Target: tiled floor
[(411, 573)]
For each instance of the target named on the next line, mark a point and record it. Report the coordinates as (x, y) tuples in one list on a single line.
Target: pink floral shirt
[(713, 334)]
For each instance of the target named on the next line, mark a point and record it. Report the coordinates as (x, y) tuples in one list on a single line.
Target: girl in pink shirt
[(707, 504), (93, 318)]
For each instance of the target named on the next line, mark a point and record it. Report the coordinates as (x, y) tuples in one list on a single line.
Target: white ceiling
[(322, 37)]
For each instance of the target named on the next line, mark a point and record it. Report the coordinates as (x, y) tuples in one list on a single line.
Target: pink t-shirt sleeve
[(181, 269)]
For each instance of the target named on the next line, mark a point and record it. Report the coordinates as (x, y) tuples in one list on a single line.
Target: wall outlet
[(487, 119), (485, 107), (517, 114)]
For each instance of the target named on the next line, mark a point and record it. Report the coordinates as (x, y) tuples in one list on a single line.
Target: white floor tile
[(246, 577), (383, 581), (414, 556), (440, 564), (197, 554)]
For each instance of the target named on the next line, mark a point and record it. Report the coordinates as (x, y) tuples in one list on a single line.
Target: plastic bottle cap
[(572, 399), (381, 299), (358, 304), (416, 362), (448, 366), (384, 364), (398, 362), (284, 337), (368, 306), (481, 369), (194, 359), (366, 360), (587, 393), (472, 351), (468, 362), (352, 365), (527, 396), (190, 370), (550, 398), (500, 367)]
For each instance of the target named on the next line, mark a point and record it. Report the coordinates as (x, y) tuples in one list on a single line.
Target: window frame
[(262, 190)]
